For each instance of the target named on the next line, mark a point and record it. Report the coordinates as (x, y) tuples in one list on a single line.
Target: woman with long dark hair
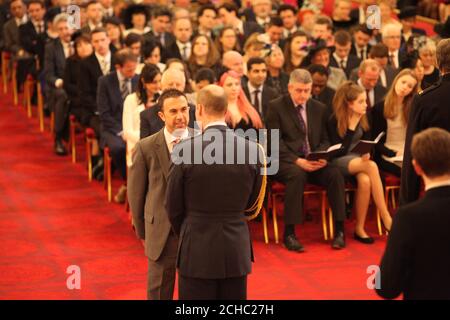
[(204, 54), (147, 92)]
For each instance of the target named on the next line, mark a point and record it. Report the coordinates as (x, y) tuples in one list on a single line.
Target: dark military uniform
[(431, 108)]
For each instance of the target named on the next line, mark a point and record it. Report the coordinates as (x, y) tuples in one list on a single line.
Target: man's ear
[(417, 168), (161, 115)]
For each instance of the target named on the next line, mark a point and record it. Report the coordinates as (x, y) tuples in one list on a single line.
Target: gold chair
[(107, 173), (90, 137), (6, 60), (14, 84)]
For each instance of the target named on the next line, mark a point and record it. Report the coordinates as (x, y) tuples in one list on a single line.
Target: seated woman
[(114, 32), (227, 41), (253, 48), (295, 50), (391, 116), (204, 54), (146, 94), (427, 54), (151, 53), (138, 18), (241, 114), (276, 77), (348, 125), (414, 63)]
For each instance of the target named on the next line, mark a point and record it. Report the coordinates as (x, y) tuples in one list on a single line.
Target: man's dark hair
[(35, 2), (443, 55), (431, 150), (169, 93), (89, 3), (205, 74), (342, 37), (99, 30), (230, 7), (318, 68), (124, 55), (324, 20), (253, 61), (275, 21), (286, 7), (203, 8), (132, 38), (161, 11), (379, 51), (148, 47), (148, 75), (363, 28)]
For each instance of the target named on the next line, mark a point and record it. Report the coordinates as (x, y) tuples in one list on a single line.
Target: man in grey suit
[(147, 180), (206, 200)]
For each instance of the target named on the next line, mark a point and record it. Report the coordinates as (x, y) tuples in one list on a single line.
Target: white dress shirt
[(394, 58), (339, 59), (188, 46), (131, 123), (174, 137), (371, 93), (105, 62), (433, 185)]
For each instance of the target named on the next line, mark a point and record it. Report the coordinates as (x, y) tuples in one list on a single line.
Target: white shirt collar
[(240, 27), (338, 59), (262, 21), (216, 123), (93, 26), (252, 89), (437, 185), (21, 21), (107, 57), (181, 44), (177, 134)]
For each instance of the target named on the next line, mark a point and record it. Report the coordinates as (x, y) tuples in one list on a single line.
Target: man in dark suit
[(150, 121), (228, 13), (206, 18), (93, 67), (274, 32), (391, 37), (259, 12), (113, 88), (341, 57), (160, 22), (182, 47), (56, 53), (211, 218), (151, 163), (320, 91), (33, 34), (369, 74), (407, 17), (416, 260), (429, 109), (361, 38), (258, 93), (94, 13), (301, 122)]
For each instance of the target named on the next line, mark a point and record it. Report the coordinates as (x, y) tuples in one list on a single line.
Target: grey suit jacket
[(11, 36), (147, 182), (336, 77)]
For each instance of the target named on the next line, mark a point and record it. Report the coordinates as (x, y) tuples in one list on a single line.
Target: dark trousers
[(58, 103), (161, 273), (212, 289), (118, 151), (295, 179)]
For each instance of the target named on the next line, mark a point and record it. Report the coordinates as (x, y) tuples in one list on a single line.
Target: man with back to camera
[(416, 260), (209, 214)]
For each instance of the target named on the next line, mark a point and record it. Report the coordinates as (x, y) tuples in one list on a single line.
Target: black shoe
[(99, 176), (98, 168), (339, 241), (59, 147), (368, 240), (291, 243)]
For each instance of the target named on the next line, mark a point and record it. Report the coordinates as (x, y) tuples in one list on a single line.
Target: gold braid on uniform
[(256, 207)]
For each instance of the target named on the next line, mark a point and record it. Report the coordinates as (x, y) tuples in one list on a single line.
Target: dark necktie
[(342, 64), (392, 60), (256, 100), (369, 104), (361, 53), (304, 148), (124, 91), (184, 52)]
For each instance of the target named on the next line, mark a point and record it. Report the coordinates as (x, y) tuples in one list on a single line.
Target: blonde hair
[(347, 93), (390, 103)]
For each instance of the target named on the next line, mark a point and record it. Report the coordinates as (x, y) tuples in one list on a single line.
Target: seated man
[(150, 122), (233, 60), (341, 57), (320, 91), (369, 73), (416, 260), (56, 53), (112, 91), (301, 122)]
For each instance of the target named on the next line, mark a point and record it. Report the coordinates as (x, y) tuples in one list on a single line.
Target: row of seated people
[(97, 86)]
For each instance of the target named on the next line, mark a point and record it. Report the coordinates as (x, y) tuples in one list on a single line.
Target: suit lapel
[(309, 119), (116, 84), (292, 111), (162, 153)]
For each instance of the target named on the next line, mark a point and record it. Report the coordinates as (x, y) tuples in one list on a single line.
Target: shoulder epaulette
[(430, 88)]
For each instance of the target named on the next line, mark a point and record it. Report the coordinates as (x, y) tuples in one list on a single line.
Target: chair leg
[(40, 107), (72, 142), (14, 86), (330, 222), (89, 158), (323, 213), (275, 222), (27, 94), (264, 220), (394, 202), (380, 229), (52, 123), (5, 68)]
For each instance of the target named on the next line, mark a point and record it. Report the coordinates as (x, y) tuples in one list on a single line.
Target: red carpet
[(51, 217)]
